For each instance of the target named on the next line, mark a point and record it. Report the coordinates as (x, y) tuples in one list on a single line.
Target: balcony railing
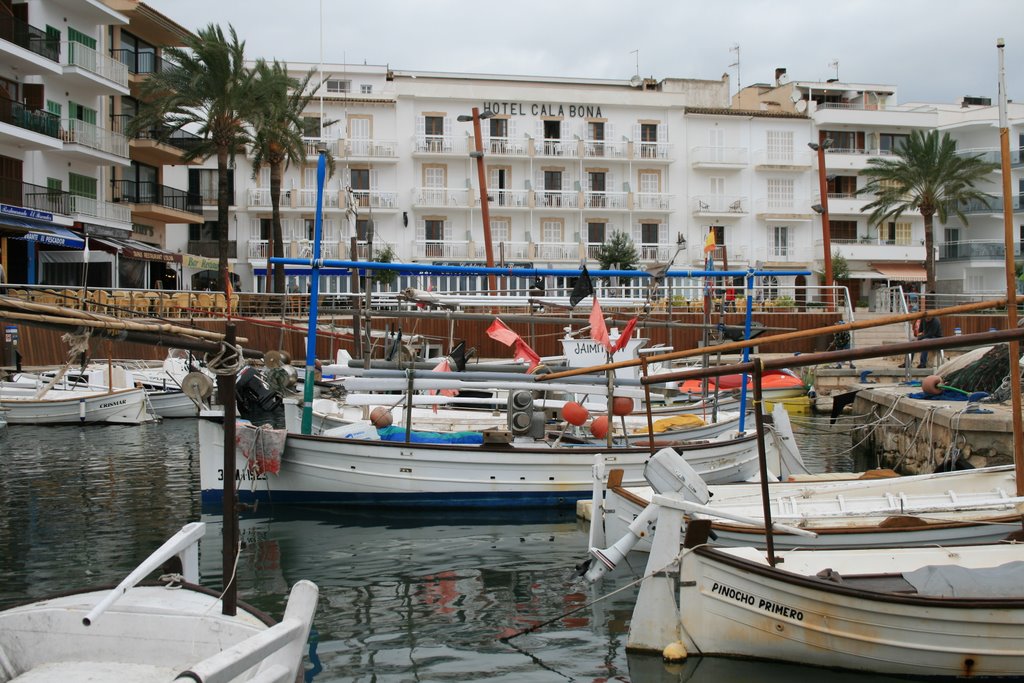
[(135, 192), (715, 155), (259, 197), (142, 62), (655, 252), (605, 200), (720, 204), (16, 193), (992, 155), (652, 201), (35, 120), (558, 251), (259, 249), (29, 37), (84, 57), (517, 199), (558, 199), (87, 206), (511, 250), (92, 136), (441, 144), (304, 248), (976, 249), (556, 148), (437, 249), (602, 149), (653, 150), (374, 149), (307, 198), (374, 199), (181, 139), (440, 196), (505, 147), (994, 204)]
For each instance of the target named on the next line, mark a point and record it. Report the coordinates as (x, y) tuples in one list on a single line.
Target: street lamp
[(485, 209), (822, 209)]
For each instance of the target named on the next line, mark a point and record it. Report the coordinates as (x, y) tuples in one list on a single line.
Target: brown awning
[(129, 248), (901, 272)]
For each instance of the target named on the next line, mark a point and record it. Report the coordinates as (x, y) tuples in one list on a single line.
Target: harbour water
[(403, 596)]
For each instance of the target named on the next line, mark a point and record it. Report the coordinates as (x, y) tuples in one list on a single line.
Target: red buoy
[(599, 427), (622, 405), (574, 413)]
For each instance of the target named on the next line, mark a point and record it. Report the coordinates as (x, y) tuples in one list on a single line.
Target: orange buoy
[(930, 385), (574, 413), (599, 427), (381, 417), (622, 405)]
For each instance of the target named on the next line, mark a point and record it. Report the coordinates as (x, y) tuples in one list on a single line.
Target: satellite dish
[(636, 80), (796, 96), (197, 386), (801, 106)]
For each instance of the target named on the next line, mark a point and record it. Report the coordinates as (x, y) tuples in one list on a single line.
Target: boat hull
[(324, 470), (126, 406)]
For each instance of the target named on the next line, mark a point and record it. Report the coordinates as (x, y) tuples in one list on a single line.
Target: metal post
[(229, 540), (314, 296), (826, 238)]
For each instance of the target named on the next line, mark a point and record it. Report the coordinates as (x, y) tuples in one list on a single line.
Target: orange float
[(599, 427), (381, 417), (574, 413), (622, 405)]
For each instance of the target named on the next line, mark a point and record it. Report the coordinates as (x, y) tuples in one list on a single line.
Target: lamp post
[(485, 209), (822, 209)]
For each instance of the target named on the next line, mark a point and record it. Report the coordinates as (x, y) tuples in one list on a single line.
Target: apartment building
[(68, 79)]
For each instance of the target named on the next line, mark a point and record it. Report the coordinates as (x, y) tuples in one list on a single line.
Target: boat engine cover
[(667, 471)]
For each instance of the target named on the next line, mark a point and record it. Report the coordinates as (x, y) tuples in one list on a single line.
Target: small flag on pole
[(598, 328), (582, 289), (499, 332), (709, 243)]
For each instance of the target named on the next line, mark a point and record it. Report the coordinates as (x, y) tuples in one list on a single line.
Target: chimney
[(779, 73)]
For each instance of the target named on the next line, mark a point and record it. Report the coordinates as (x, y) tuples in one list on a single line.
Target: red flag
[(443, 366), (499, 332), (526, 354), (598, 330), (623, 339)]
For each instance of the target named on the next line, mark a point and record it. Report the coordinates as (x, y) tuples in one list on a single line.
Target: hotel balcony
[(720, 206), (430, 197), (557, 199), (556, 149), (17, 193), (505, 147), (140, 65), (993, 155), (781, 253), (90, 143), (655, 253), (653, 151), (27, 48), (719, 158), (616, 201), (304, 248), (373, 199), (371, 150), (441, 145), (303, 199), (159, 145), (874, 249), (335, 147), (559, 251), (977, 250), (159, 203), (992, 205), (652, 201), (89, 210), (505, 251), (603, 149), (94, 68), (509, 199), (784, 159), (441, 249), (861, 114), (793, 208), (845, 203), (31, 129)]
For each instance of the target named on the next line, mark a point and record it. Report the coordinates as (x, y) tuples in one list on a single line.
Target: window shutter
[(565, 180), (636, 132), (663, 233), (662, 132), (421, 231), (421, 126), (609, 182), (609, 132), (538, 181), (637, 233), (374, 184)]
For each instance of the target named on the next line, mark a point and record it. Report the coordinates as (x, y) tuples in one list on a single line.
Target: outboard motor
[(253, 393), (666, 472)]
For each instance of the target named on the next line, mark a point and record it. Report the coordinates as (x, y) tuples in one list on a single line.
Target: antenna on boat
[(1011, 280)]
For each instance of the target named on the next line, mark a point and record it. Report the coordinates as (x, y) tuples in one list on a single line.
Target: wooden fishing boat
[(170, 630), (120, 406)]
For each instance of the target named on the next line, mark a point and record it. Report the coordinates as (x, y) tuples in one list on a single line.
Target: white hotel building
[(570, 161)]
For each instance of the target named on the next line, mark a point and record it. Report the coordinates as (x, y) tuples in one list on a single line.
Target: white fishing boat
[(500, 469), (158, 632), (933, 611), (120, 406)]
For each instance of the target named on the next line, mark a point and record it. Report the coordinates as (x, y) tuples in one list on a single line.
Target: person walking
[(930, 328)]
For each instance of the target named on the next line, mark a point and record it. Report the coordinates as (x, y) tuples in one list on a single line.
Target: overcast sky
[(932, 50)]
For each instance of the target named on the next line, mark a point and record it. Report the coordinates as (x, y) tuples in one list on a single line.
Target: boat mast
[(314, 292), (1011, 280)]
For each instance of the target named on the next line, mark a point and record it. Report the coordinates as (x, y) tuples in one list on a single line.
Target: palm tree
[(277, 138), (210, 91), (929, 176)]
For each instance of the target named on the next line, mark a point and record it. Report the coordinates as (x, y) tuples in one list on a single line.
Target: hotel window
[(499, 180), (366, 89), (895, 232), (82, 185), (595, 130), (845, 231), (596, 232), (890, 143), (335, 85), (780, 245), (433, 131), (842, 187), (498, 135), (359, 181), (649, 240), (780, 146), (363, 229), (844, 140), (780, 193), (552, 188), (203, 182), (649, 140), (551, 231), (596, 185), (311, 126), (433, 238), (501, 231)]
